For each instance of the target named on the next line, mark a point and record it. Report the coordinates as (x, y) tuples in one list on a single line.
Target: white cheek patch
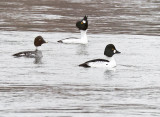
[(84, 21), (114, 51)]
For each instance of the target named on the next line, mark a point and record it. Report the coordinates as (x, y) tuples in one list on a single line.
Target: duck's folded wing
[(86, 64), (29, 54)]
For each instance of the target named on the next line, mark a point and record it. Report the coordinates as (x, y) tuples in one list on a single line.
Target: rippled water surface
[(58, 87)]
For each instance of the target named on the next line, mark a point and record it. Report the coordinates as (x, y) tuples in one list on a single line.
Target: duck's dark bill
[(117, 52), (45, 41)]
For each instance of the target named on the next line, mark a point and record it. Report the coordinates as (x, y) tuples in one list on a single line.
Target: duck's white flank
[(82, 40), (110, 64)]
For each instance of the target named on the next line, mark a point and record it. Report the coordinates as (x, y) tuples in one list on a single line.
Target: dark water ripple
[(140, 17), (86, 94)]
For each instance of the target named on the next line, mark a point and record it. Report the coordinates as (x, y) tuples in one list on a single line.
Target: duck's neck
[(84, 35), (36, 48), (110, 58), (112, 61)]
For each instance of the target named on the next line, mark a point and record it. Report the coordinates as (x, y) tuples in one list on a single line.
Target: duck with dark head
[(109, 62), (38, 41), (82, 25)]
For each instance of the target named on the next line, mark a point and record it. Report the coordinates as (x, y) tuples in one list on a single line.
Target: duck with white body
[(109, 62), (82, 25)]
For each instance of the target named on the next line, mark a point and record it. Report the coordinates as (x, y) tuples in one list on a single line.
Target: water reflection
[(82, 49), (38, 60), (109, 72)]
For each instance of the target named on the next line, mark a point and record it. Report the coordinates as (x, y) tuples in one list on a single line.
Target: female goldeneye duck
[(110, 62), (82, 25), (32, 54)]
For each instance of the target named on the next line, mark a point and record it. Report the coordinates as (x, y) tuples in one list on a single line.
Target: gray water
[(58, 87)]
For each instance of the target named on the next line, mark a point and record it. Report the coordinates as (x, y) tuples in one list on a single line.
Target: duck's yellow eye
[(81, 22), (113, 49)]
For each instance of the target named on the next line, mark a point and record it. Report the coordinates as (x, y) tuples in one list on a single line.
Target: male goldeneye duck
[(110, 62), (82, 25), (33, 54)]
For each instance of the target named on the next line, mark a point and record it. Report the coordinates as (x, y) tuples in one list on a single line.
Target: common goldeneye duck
[(110, 62), (82, 25), (38, 41)]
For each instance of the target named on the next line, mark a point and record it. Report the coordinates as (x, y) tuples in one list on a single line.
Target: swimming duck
[(82, 25), (110, 62), (38, 41)]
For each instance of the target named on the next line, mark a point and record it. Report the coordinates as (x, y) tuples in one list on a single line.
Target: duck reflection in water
[(82, 50)]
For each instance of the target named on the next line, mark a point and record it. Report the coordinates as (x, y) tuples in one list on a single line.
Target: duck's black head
[(82, 24), (110, 50), (38, 41)]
